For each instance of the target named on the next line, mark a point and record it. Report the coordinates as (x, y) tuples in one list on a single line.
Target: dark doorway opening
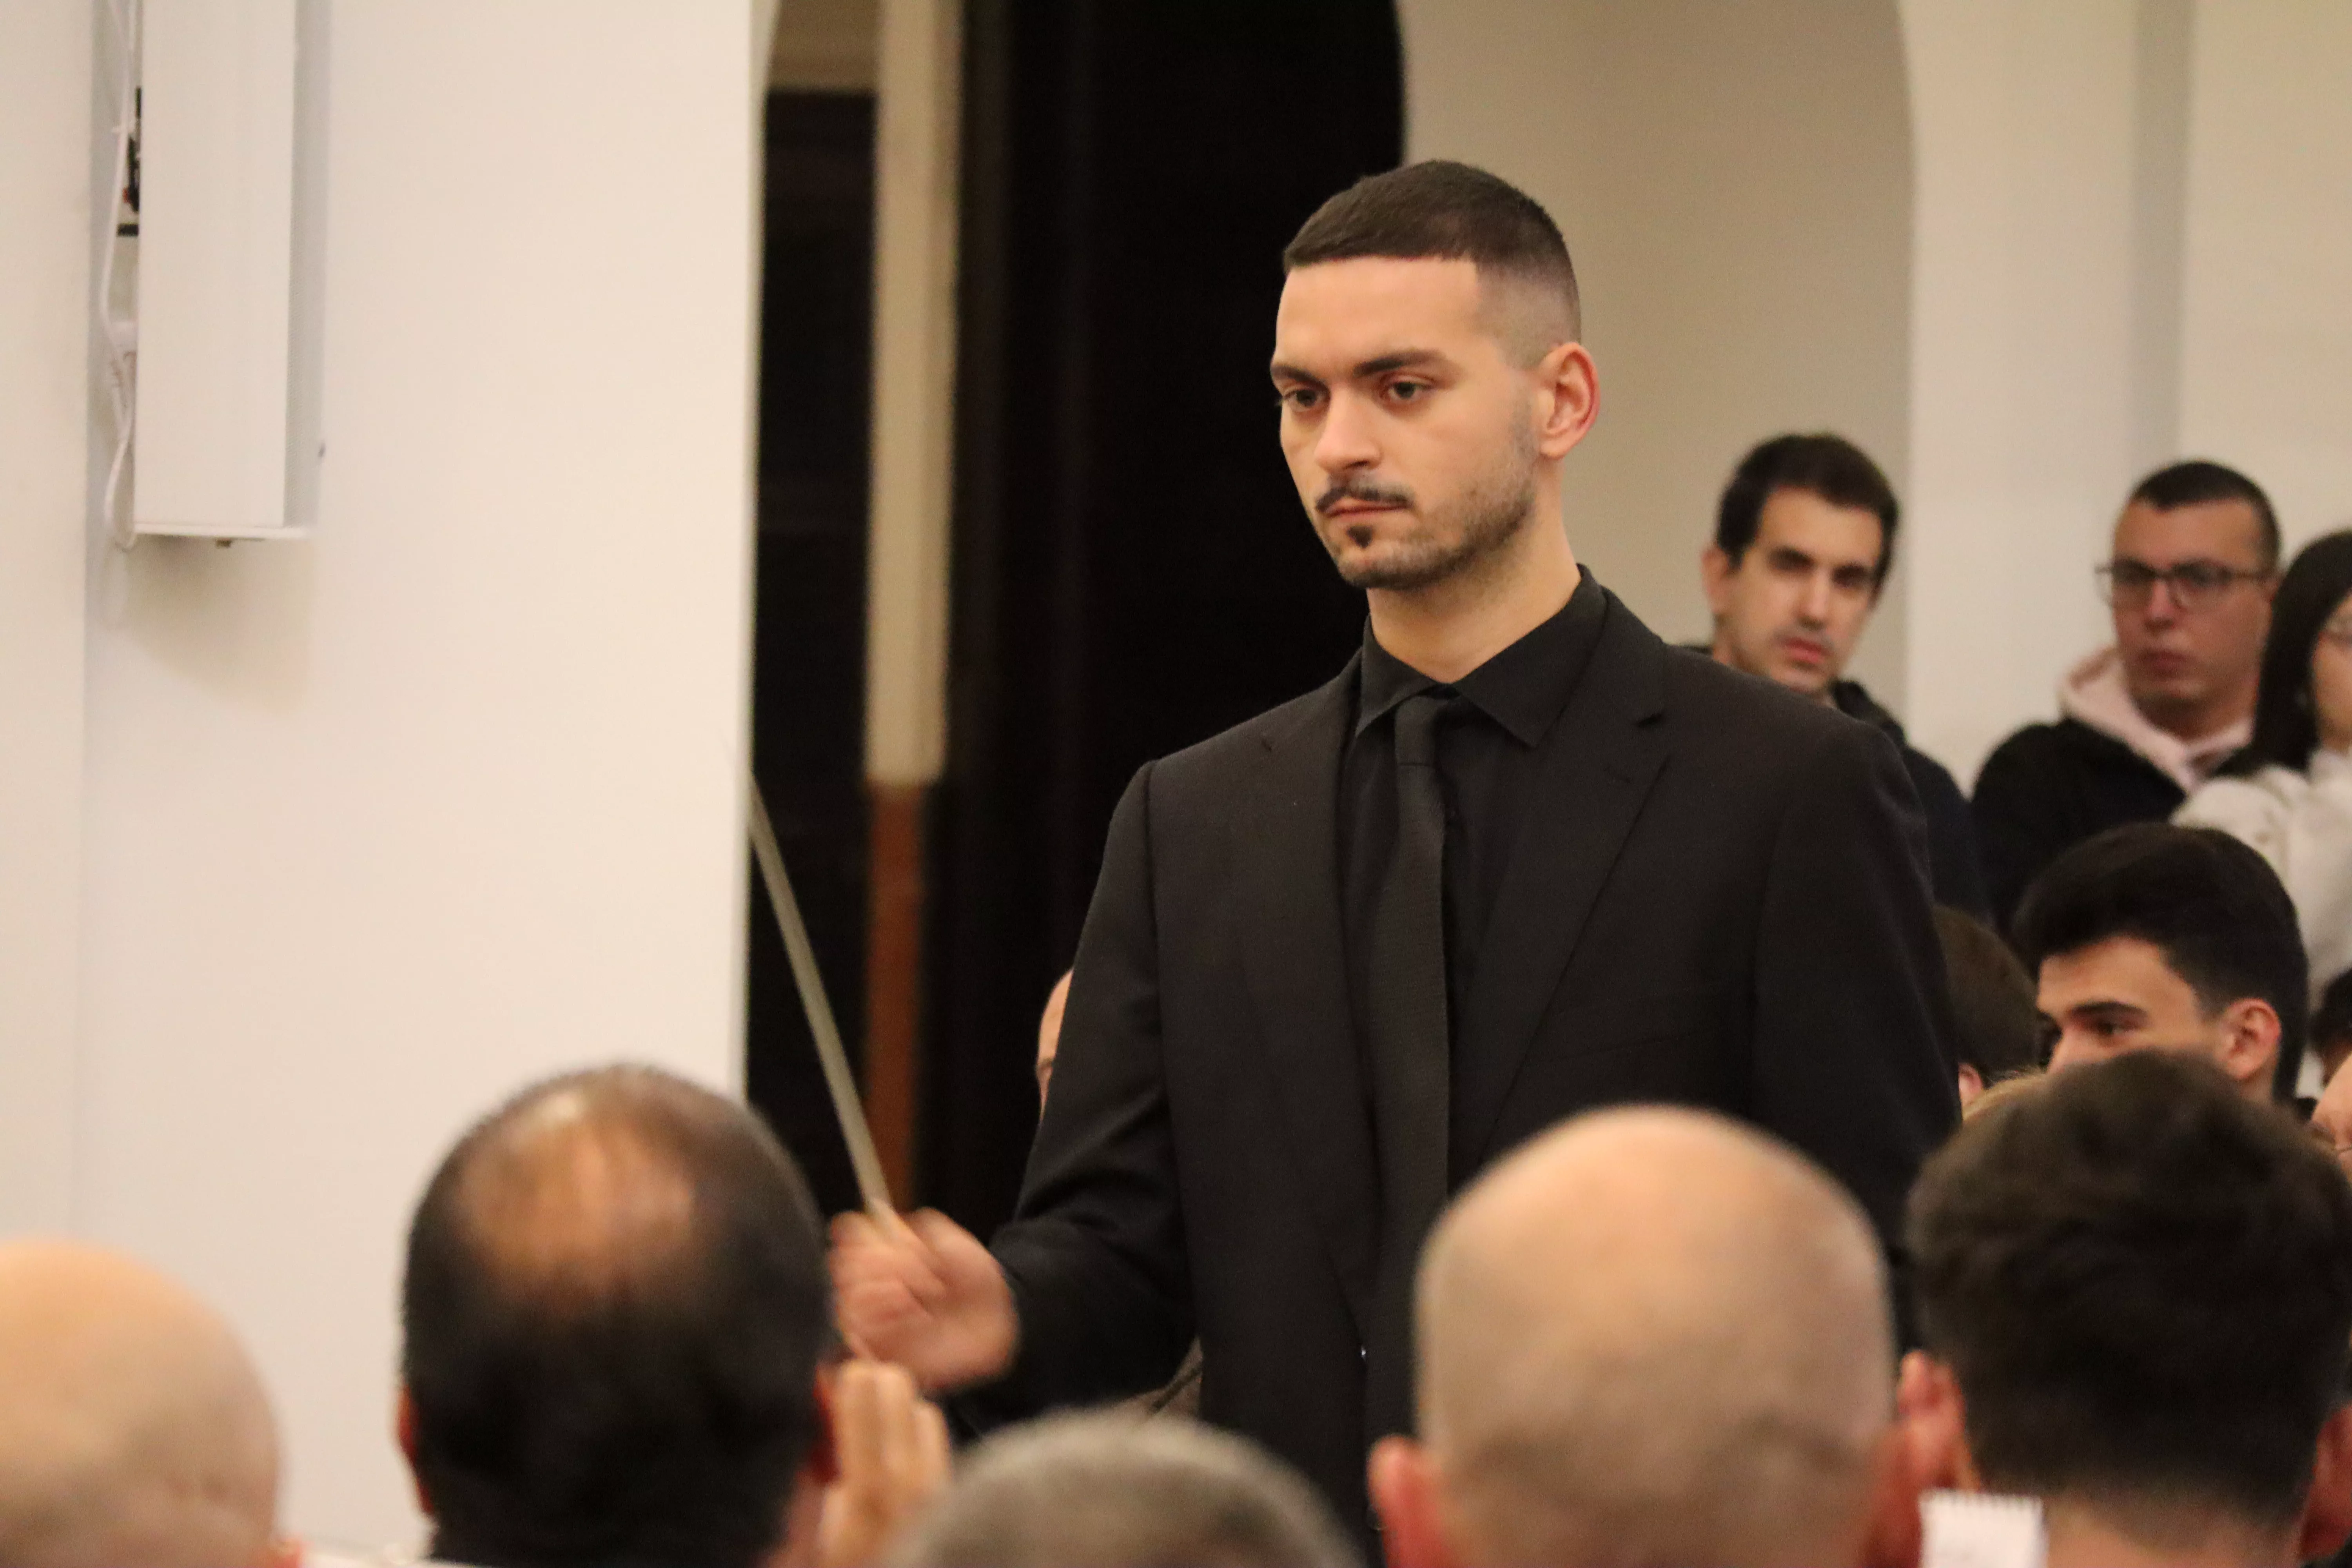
[(1131, 569), (808, 679)]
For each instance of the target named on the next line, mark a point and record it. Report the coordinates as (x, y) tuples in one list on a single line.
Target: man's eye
[(1407, 391), (1854, 582), (2131, 574), (1299, 398), (2200, 574)]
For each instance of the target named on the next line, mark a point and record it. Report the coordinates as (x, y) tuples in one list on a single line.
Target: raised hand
[(922, 1293), (891, 1446)]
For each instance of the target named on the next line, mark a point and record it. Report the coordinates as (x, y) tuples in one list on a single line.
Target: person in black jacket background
[(1805, 537), (2145, 720)]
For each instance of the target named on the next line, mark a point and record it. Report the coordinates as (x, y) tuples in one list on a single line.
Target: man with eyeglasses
[(2145, 722)]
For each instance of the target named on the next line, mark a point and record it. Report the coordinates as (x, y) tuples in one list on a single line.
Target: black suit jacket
[(1719, 898)]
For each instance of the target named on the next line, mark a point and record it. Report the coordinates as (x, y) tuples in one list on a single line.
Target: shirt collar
[(1522, 688)]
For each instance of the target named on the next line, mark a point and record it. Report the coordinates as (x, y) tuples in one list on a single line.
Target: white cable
[(120, 336)]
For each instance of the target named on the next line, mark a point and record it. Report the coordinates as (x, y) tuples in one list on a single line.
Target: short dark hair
[(2143, 1283), (1992, 998), (2210, 905), (2198, 481), (1440, 210), (596, 1382), (2331, 1021), (2286, 727), (1102, 1489), (1821, 464)]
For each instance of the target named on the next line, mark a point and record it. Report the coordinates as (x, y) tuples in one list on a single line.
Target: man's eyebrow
[(2106, 1007), (1403, 359), (1281, 372)]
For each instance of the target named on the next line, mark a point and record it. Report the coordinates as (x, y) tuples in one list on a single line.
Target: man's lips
[(1805, 650)]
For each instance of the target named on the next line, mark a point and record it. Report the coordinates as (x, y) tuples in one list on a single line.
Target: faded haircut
[(1446, 210), (1106, 1490)]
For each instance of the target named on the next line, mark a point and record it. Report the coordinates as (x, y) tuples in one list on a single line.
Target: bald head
[(133, 1429), (1654, 1337)]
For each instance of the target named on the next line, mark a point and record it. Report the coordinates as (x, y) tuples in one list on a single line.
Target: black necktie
[(1407, 1034)]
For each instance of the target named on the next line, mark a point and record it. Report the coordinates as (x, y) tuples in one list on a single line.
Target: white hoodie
[(2094, 693), (2302, 823)]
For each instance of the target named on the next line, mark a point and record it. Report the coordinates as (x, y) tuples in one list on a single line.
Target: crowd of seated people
[(1648, 1336)]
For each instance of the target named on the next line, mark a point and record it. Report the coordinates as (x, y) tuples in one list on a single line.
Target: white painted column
[(915, 208), (2022, 405), (45, 313)]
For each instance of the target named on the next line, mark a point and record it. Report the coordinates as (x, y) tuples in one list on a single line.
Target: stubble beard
[(1454, 541)]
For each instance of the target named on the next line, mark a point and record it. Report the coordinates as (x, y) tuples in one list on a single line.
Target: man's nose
[(2163, 608), (1346, 439), (2072, 1051), (1813, 603)]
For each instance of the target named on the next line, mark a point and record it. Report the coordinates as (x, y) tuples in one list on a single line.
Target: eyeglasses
[(2194, 585)]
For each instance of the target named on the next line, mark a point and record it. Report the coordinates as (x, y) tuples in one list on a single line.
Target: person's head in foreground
[(1651, 1337), (133, 1429), (2134, 1287), (614, 1308), (2188, 580), (2303, 699), (1998, 1031), (1426, 358), (1805, 537), (2152, 937), (1106, 1490)]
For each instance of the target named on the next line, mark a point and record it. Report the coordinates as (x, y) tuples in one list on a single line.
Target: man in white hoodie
[(2145, 722)]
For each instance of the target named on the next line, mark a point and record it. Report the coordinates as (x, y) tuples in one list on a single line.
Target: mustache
[(1359, 488)]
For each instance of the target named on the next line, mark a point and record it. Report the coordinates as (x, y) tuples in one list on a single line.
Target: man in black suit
[(1518, 859)]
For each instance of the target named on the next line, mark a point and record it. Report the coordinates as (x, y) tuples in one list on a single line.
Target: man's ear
[(822, 1465), (2250, 1043), (2327, 1510), (1714, 569), (1407, 1493), (1569, 399), (403, 1432), (1891, 1528), (1971, 1084), (1933, 1418)]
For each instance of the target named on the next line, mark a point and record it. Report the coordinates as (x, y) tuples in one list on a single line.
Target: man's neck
[(1450, 629), (2193, 726), (2081, 1538)]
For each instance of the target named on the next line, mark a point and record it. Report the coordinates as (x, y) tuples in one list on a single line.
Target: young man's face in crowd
[(1794, 606), (1410, 432), (2121, 995), (2183, 661)]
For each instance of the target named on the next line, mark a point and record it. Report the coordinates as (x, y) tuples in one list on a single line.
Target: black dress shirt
[(1488, 740)]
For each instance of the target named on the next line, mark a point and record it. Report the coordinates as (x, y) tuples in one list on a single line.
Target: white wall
[(1734, 182), (2022, 408), (383, 824), (2267, 314), (45, 246)]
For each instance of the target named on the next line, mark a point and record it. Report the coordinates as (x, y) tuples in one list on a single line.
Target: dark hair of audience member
[(2210, 904), (2000, 1030), (1440, 210), (2286, 727), (613, 1329), (2142, 1282), (1104, 1489), (2199, 481), (1824, 465)]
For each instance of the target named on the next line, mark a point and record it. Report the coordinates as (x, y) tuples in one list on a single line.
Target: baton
[(846, 1111)]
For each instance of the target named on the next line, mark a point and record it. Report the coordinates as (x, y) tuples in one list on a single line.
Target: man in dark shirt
[(1518, 859), (2144, 722), (1805, 537)]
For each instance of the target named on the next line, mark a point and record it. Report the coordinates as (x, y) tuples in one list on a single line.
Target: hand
[(891, 1446), (922, 1294)]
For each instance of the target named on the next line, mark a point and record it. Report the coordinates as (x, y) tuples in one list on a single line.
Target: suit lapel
[(1600, 759), (1287, 911)]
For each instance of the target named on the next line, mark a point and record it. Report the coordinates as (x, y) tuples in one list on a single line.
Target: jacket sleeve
[(1851, 1060), (1095, 1253)]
